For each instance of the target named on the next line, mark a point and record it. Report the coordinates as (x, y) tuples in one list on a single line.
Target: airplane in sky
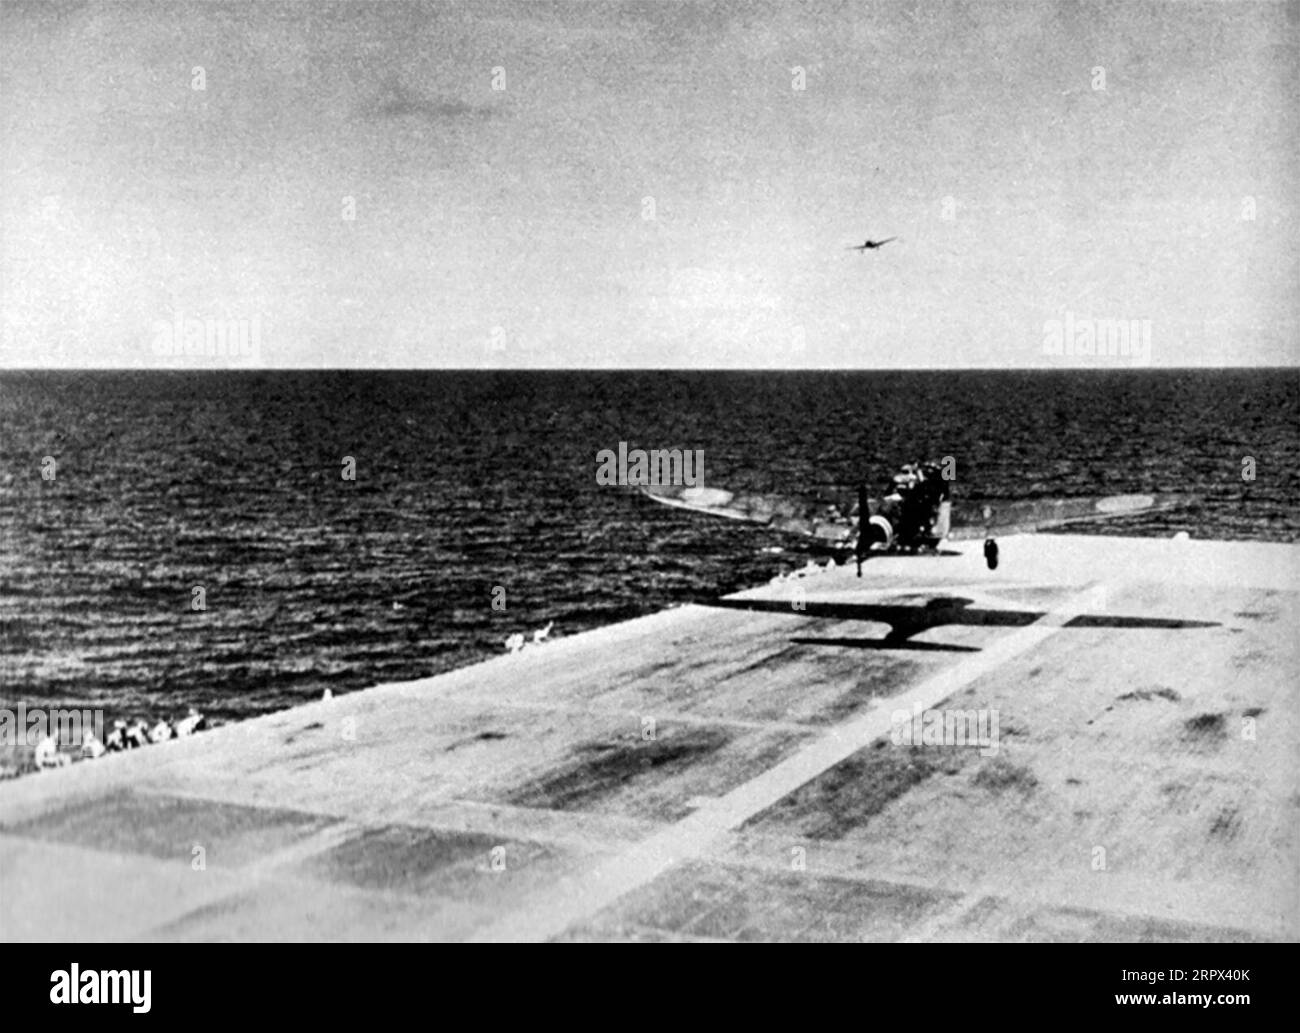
[(870, 245)]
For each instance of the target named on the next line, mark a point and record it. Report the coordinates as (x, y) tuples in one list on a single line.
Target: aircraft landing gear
[(991, 553)]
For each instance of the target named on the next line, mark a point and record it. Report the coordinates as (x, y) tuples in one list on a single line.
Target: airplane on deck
[(915, 515)]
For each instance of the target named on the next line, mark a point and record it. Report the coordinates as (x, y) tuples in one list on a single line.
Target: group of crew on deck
[(122, 736)]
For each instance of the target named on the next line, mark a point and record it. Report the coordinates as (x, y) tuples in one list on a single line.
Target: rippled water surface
[(231, 482)]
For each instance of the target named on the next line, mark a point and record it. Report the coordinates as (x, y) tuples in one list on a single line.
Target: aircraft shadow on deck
[(886, 643), (907, 620)]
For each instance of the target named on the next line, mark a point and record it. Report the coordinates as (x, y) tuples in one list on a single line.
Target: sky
[(648, 185)]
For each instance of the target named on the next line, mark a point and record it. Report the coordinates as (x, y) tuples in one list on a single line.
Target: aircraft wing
[(969, 520), (780, 513), (982, 519)]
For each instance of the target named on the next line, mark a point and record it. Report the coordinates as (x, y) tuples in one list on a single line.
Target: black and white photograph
[(650, 471)]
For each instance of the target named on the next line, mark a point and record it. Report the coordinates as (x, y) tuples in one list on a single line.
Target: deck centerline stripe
[(577, 899)]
